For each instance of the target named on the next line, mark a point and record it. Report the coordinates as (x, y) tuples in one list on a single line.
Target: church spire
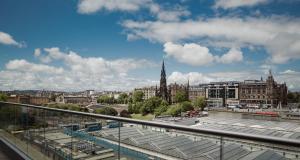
[(163, 90), (163, 72)]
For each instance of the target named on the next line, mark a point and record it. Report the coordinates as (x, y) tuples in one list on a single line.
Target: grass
[(141, 117)]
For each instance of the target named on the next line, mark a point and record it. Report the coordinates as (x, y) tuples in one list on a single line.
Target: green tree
[(53, 97), (137, 96), (180, 96), (291, 97), (174, 110), (130, 108), (129, 99), (186, 106), (105, 99), (199, 103), (150, 105), (135, 107), (123, 98), (3, 97), (107, 111), (160, 110), (73, 107)]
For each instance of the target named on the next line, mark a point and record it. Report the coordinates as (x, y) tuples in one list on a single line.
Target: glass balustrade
[(47, 133)]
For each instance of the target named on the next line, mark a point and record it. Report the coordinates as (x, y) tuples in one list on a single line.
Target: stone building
[(148, 91), (80, 100), (261, 93), (39, 100), (174, 88), (26, 99), (196, 91)]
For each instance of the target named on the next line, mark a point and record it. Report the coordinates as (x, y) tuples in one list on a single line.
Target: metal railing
[(259, 139)]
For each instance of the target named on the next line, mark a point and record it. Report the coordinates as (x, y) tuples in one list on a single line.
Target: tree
[(293, 97), (199, 103), (53, 97), (105, 99), (180, 96), (160, 110), (73, 107), (174, 110), (137, 107), (186, 106), (137, 96), (129, 99), (3, 97), (123, 98), (107, 111), (130, 108)]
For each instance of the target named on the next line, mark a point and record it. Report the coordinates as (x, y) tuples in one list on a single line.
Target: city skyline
[(105, 45)]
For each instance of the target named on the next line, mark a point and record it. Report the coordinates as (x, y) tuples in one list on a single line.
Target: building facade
[(80, 100), (222, 94), (148, 91), (261, 93), (174, 88), (25, 99), (196, 91)]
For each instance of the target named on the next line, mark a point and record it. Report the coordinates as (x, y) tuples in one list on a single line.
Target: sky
[(75, 45)]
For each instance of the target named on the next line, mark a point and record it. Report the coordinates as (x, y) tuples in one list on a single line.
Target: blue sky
[(119, 45)]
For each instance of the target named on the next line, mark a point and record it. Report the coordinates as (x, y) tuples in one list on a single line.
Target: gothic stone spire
[(163, 90)]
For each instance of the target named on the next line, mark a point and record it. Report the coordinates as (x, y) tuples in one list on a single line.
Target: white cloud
[(191, 53), (95, 65), (288, 71), (7, 39), (161, 13), (227, 4), (24, 66), (233, 55), (280, 36), (92, 6), (197, 78), (197, 55), (291, 78), (172, 15), (193, 77), (37, 52), (76, 73)]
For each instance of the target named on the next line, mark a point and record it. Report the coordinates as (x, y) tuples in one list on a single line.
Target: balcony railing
[(49, 133)]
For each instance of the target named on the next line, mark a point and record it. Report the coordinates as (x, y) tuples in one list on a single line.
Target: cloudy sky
[(119, 44)]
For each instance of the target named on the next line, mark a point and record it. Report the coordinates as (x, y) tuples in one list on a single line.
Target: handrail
[(221, 133)]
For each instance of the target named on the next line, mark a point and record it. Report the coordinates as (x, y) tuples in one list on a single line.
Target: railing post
[(71, 157), (44, 130), (119, 147), (27, 133), (221, 148)]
